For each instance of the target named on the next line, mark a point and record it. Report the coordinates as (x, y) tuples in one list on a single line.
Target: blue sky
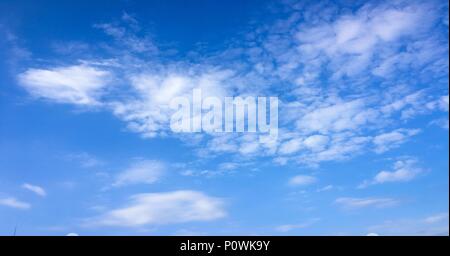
[(86, 146)]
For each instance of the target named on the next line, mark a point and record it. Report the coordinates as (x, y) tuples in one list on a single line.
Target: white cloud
[(325, 64), (86, 160), (124, 36), (338, 117), (228, 166), (290, 227), (326, 188), (443, 103), (341, 146), (351, 203), (79, 84), (349, 45), (35, 189), (415, 103), (389, 140), (249, 147), (143, 171), (316, 142), (149, 112), (14, 203), (441, 122), (434, 225), (403, 170), (302, 180), (291, 146), (440, 217), (72, 234), (440, 104), (163, 208)]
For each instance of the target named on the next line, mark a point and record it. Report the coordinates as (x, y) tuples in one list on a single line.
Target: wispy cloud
[(290, 227), (78, 84), (440, 217), (302, 180), (85, 160), (433, 225), (14, 203), (163, 208), (441, 122), (142, 171), (403, 170), (326, 188), (351, 203), (384, 142), (35, 189), (123, 33)]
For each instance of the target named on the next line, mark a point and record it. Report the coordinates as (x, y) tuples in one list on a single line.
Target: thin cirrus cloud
[(14, 203), (302, 180), (79, 84), (290, 227), (163, 208), (386, 141), (141, 172), (440, 217), (35, 189), (85, 160), (403, 170), (351, 203), (326, 188), (433, 225)]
